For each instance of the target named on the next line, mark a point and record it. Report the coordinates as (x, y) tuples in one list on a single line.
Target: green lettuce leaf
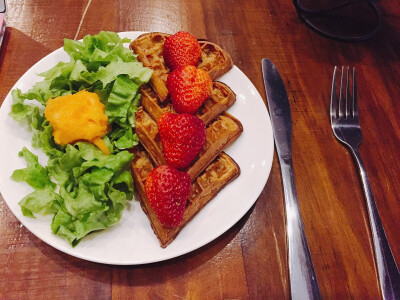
[(20, 110), (134, 70), (34, 174), (38, 201), (99, 50), (120, 99)]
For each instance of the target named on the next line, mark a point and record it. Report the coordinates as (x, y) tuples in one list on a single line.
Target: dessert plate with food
[(130, 159)]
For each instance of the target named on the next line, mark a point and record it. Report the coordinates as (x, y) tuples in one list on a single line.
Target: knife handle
[(303, 282)]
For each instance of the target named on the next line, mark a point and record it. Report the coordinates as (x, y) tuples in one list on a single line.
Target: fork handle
[(388, 272)]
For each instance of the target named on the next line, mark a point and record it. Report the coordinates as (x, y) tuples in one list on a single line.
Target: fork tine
[(333, 95), (347, 103), (341, 94), (355, 104)]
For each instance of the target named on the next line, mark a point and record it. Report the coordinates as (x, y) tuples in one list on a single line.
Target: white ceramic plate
[(132, 240)]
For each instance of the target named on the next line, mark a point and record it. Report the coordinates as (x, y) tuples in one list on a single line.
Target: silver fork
[(346, 128)]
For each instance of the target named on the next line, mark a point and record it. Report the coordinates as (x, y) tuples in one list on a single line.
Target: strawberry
[(182, 137), (181, 49), (167, 190), (189, 87)]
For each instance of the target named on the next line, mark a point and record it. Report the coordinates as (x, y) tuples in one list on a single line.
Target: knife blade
[(2, 29), (303, 281)]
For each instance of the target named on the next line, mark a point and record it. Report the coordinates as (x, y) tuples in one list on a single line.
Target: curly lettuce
[(83, 188)]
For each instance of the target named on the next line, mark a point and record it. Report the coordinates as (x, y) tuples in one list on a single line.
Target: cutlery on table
[(303, 282), (2, 29), (346, 128), (3, 9)]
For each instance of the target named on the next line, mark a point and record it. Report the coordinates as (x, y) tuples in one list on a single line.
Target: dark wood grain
[(249, 261)]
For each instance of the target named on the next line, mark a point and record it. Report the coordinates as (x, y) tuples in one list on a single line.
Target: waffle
[(212, 169), (222, 97), (220, 133), (214, 60), (204, 188)]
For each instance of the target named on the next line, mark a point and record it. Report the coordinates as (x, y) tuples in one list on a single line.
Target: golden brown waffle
[(222, 97), (147, 132), (220, 133), (206, 186), (149, 46), (212, 169)]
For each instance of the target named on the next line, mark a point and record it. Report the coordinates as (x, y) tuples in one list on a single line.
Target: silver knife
[(3, 9), (303, 282), (2, 28)]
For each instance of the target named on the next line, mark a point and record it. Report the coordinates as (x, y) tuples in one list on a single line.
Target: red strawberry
[(182, 137), (167, 190), (181, 49), (189, 87)]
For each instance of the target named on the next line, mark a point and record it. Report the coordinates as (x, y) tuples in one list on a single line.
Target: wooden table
[(249, 260)]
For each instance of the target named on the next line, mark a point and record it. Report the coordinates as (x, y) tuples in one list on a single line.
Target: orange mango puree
[(78, 117)]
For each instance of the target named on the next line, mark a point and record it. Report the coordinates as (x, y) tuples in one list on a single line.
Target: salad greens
[(85, 189)]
